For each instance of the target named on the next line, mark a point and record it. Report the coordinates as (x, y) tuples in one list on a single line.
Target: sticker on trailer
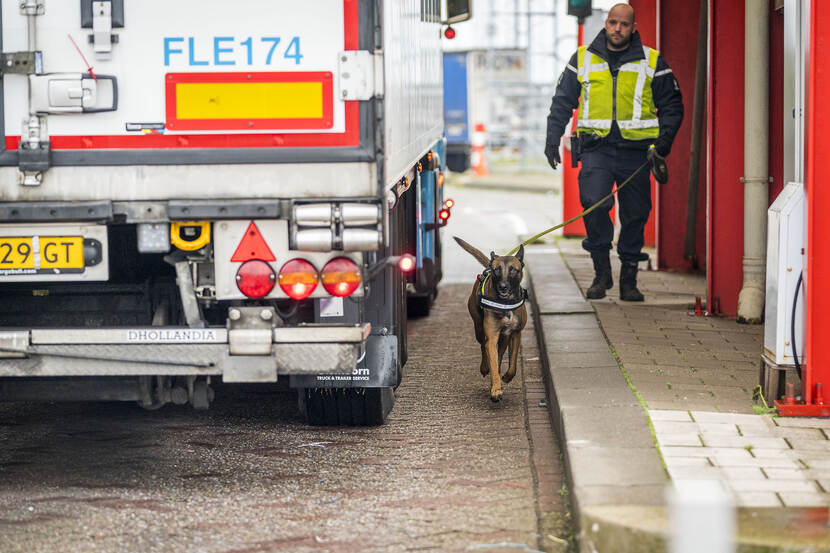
[(331, 307), (197, 73)]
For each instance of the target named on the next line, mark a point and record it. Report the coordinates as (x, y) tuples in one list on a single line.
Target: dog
[(497, 307)]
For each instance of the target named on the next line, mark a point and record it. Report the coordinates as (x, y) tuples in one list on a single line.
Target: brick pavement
[(696, 376)]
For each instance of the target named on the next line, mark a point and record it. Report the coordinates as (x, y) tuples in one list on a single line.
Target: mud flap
[(377, 369)]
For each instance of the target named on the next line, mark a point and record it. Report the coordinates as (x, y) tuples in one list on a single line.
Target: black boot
[(602, 279), (628, 282)]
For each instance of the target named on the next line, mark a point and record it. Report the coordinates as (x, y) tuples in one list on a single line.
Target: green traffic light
[(579, 8)]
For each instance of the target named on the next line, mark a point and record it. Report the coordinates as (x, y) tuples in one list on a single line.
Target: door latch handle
[(58, 93)]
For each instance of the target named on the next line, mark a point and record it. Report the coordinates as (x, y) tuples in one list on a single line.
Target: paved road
[(449, 471), (493, 220)]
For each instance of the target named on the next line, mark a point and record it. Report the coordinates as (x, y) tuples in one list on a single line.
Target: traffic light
[(579, 8)]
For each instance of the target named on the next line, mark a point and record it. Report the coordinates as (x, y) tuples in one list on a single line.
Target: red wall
[(679, 37), (647, 25), (719, 233), (725, 149)]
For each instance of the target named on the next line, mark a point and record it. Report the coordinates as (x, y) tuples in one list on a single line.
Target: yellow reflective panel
[(297, 100)]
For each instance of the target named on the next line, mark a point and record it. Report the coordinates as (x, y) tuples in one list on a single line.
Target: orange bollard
[(477, 161)]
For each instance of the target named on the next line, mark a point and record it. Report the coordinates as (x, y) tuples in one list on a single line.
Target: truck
[(461, 70), (203, 191), (485, 95)]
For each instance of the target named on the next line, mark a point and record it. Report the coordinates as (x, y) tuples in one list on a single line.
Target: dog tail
[(483, 259)]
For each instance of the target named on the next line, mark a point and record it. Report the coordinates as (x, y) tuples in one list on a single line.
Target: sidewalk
[(648, 394), (535, 181)]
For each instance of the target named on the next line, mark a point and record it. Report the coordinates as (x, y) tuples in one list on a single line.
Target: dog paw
[(495, 396), (507, 378), (484, 370)]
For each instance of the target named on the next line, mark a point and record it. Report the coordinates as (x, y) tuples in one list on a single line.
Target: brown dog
[(498, 311)]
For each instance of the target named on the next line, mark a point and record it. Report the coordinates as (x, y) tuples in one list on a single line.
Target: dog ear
[(475, 252), (521, 254), (492, 256)]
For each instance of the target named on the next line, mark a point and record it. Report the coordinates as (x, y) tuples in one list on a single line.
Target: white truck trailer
[(201, 190)]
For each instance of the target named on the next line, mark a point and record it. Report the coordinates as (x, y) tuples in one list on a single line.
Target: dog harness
[(494, 304)]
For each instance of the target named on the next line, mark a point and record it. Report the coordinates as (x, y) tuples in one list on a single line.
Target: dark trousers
[(601, 168)]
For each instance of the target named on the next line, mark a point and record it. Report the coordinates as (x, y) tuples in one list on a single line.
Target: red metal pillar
[(570, 185), (725, 155), (817, 358), (816, 363)]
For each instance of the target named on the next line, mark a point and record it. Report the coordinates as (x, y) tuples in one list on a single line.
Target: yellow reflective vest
[(625, 98)]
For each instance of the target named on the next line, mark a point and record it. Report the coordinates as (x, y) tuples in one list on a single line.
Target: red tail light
[(298, 279), (406, 263), (255, 278), (444, 214), (448, 203), (340, 276)]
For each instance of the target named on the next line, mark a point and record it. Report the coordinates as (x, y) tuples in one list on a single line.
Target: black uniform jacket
[(664, 89)]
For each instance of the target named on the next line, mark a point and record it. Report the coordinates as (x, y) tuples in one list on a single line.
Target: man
[(628, 100)]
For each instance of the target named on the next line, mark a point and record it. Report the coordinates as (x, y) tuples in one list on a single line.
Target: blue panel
[(456, 110), (428, 212)]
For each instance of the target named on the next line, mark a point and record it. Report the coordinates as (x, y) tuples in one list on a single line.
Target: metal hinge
[(32, 7), (102, 16), (22, 63), (34, 154), (102, 29), (361, 74)]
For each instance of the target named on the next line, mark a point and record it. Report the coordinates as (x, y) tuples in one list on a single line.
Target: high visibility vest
[(625, 98)]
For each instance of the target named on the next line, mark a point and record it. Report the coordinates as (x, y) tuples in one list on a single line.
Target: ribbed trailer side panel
[(413, 82)]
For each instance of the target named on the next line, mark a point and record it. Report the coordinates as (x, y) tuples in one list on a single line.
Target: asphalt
[(650, 399)]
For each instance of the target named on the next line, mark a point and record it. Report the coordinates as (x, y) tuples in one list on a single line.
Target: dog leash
[(581, 215)]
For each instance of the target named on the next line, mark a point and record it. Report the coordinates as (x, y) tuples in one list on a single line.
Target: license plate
[(22, 255)]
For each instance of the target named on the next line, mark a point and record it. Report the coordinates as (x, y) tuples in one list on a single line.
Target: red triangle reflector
[(252, 246)]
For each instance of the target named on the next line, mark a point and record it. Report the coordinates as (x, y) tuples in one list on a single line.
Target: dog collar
[(494, 304)]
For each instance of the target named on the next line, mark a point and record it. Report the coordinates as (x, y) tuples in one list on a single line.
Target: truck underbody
[(149, 264)]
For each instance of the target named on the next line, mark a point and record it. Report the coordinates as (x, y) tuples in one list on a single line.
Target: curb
[(615, 476), (518, 183), (610, 457)]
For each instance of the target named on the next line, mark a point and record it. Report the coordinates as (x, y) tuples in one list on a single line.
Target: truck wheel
[(346, 406)]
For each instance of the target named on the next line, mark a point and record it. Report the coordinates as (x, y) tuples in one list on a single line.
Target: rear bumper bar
[(299, 350)]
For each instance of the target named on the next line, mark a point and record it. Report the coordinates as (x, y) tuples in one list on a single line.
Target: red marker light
[(298, 279), (255, 278), (340, 276), (444, 214), (406, 263), (449, 32), (448, 203)]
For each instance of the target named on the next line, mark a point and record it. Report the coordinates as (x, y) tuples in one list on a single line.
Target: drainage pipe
[(756, 160)]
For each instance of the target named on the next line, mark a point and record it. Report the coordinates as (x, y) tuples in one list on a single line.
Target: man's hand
[(552, 153), (663, 146), (658, 165)]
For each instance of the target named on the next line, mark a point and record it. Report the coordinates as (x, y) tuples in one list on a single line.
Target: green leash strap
[(581, 215)]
